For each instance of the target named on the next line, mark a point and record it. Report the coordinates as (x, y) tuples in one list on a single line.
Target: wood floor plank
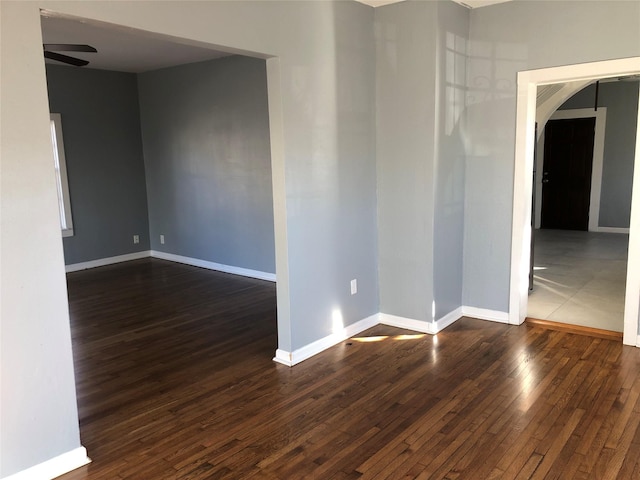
[(175, 380)]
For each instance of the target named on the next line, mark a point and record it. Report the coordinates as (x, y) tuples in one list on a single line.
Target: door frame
[(528, 82), (596, 165)]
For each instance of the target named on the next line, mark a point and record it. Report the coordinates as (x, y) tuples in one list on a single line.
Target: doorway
[(578, 276), (528, 82), (272, 91), (566, 175)]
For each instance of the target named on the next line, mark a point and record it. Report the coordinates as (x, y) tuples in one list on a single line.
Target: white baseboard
[(485, 314), (419, 325), (408, 323), (612, 230), (297, 356), (284, 357), (54, 467), (245, 272), (448, 319), (101, 262), (638, 341)]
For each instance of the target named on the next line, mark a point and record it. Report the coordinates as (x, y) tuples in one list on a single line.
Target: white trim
[(62, 179), (54, 467), (408, 323), (539, 165), (638, 341), (486, 314), (632, 289), (448, 319), (297, 356), (292, 358), (528, 82), (284, 357), (421, 325), (196, 262), (612, 230), (101, 262), (596, 165)]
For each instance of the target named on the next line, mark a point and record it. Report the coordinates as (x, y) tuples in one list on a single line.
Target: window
[(64, 202)]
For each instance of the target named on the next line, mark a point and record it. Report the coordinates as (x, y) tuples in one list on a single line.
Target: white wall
[(38, 415)]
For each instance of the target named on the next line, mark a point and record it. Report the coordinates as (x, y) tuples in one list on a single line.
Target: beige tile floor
[(579, 278)]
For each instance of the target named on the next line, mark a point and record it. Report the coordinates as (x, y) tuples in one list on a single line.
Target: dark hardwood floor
[(176, 380)]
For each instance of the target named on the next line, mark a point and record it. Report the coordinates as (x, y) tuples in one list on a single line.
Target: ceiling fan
[(51, 49)]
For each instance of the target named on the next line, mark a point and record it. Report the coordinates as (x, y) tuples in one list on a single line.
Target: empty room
[(302, 247)]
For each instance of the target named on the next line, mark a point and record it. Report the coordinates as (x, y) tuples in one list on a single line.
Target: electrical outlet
[(136, 239), (354, 286), (162, 239)]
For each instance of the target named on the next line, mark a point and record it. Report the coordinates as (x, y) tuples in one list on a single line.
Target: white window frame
[(62, 182)]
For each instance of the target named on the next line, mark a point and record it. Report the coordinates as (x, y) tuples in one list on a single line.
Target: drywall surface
[(421, 85), (406, 58), (327, 221), (504, 39), (208, 161), (621, 100), (38, 412), (449, 171), (327, 60), (103, 149)]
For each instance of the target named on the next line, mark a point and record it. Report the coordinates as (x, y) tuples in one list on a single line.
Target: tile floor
[(579, 278)]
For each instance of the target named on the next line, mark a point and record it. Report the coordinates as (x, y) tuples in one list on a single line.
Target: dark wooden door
[(566, 176)]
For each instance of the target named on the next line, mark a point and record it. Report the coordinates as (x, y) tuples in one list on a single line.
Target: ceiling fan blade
[(65, 59), (68, 47)]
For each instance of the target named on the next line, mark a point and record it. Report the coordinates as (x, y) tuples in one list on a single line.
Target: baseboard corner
[(102, 262), (408, 323), (219, 267), (300, 354), (485, 314), (54, 467)]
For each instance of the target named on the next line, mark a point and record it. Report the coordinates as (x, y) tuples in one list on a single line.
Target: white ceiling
[(479, 3), (466, 3), (122, 49)]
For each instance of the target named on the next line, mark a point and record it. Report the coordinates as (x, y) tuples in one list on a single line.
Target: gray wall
[(621, 100), (506, 38), (326, 65), (205, 129), (325, 92), (329, 110), (406, 38), (103, 150), (421, 78), (449, 175)]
